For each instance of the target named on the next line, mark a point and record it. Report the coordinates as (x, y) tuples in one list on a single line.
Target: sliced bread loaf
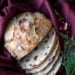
[(37, 56), (49, 67), (46, 62)]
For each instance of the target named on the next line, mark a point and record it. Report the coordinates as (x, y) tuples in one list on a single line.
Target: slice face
[(24, 32), (39, 55), (46, 62), (49, 67), (56, 67)]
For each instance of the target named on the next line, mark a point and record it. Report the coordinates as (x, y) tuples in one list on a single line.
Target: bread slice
[(56, 67), (46, 62), (39, 55), (24, 32), (49, 67)]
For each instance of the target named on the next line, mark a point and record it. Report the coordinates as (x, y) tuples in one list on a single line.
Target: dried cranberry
[(45, 53), (27, 60), (35, 58)]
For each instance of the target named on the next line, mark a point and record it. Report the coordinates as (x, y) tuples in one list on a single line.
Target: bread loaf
[(37, 56), (24, 32)]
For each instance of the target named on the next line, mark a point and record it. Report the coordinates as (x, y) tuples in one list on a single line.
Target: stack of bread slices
[(31, 39)]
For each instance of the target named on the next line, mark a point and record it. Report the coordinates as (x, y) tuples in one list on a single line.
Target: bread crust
[(24, 32)]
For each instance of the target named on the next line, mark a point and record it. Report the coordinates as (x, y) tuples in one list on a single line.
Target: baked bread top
[(24, 32)]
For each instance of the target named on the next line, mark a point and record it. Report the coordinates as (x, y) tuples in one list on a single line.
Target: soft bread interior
[(49, 67), (46, 62)]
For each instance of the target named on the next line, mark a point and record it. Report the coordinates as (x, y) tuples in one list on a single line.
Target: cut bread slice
[(46, 62), (56, 67), (24, 32), (38, 55), (49, 67)]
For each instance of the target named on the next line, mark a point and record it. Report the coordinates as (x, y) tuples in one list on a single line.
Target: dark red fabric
[(9, 8)]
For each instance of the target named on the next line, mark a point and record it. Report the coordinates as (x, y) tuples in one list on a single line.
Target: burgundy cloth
[(9, 8)]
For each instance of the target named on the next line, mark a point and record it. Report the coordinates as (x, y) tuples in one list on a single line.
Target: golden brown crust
[(24, 32)]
